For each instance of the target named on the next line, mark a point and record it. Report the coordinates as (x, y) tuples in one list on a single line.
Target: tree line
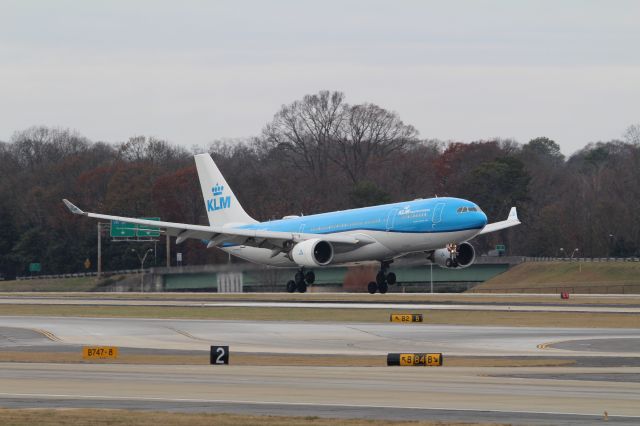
[(318, 154)]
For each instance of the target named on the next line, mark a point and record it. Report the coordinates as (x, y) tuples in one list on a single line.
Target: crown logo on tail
[(217, 189)]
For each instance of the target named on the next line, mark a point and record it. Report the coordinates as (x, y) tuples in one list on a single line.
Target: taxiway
[(327, 338)]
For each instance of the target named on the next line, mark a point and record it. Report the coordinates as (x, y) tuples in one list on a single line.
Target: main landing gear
[(383, 279), (300, 281)]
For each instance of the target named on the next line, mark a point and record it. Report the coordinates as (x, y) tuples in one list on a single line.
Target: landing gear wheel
[(380, 278), (391, 278), (372, 287), (300, 281), (383, 288), (310, 277)]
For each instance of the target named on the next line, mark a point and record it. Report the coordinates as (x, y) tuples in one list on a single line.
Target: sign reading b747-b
[(99, 352)]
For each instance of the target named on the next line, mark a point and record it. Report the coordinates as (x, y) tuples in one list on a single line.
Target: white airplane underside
[(387, 246), (440, 227)]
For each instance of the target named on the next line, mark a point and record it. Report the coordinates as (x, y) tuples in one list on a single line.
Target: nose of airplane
[(482, 218)]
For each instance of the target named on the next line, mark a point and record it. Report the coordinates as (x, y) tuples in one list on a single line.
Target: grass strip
[(53, 285), (79, 417), (576, 299), (242, 358), (452, 317)]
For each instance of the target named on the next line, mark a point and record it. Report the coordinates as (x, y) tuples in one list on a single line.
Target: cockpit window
[(467, 209)]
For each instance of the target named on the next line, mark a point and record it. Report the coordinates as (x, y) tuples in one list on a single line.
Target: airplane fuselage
[(396, 229)]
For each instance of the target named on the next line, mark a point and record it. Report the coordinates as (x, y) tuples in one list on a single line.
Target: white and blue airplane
[(439, 227)]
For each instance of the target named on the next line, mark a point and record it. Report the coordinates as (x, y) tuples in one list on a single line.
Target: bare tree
[(368, 132), (322, 128), (306, 129), (151, 150), (632, 134), (37, 145)]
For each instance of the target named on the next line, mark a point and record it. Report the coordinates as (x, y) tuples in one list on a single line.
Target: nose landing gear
[(383, 279), (300, 281), (452, 262)]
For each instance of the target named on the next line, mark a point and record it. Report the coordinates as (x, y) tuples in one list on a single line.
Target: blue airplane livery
[(218, 203), (439, 227)]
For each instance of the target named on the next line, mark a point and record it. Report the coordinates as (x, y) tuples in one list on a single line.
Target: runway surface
[(321, 338), (541, 395), (460, 394), (503, 306)]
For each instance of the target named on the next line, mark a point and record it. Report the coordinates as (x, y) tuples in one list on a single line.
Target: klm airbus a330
[(440, 227)]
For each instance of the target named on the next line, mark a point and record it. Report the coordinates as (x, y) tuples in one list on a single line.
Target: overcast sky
[(195, 71)]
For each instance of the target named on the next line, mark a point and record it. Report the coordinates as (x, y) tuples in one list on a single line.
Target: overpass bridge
[(414, 275)]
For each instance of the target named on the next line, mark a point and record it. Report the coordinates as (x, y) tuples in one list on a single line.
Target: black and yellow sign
[(99, 352), (406, 318), (219, 355), (423, 359)]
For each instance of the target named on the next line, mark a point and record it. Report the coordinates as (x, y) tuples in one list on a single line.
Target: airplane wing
[(512, 220), (217, 235)]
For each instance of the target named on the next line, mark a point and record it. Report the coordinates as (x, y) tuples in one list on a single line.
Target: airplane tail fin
[(223, 208)]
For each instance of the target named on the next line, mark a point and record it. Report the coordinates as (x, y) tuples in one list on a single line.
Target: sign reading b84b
[(409, 359), (421, 359)]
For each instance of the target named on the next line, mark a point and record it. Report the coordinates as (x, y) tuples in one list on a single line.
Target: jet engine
[(454, 256), (312, 253)]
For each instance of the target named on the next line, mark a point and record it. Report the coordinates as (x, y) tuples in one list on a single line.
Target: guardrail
[(581, 259), (244, 267), (84, 274), (594, 288)]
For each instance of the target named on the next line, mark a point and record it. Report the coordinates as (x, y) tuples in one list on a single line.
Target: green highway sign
[(35, 267), (122, 229), (148, 231), (130, 230), (501, 247)]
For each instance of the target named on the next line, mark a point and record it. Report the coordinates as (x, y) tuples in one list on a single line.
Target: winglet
[(72, 208), (512, 220)]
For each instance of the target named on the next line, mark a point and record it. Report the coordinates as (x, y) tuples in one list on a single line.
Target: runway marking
[(231, 401), (186, 334), (545, 345), (49, 335)]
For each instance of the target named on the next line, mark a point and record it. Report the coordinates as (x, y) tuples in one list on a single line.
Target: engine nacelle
[(313, 252), (464, 256)]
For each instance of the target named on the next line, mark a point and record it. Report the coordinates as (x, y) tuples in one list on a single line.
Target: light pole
[(102, 227), (611, 239), (142, 259), (431, 267), (575, 250)]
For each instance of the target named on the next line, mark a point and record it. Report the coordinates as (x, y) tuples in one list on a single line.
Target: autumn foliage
[(318, 154)]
